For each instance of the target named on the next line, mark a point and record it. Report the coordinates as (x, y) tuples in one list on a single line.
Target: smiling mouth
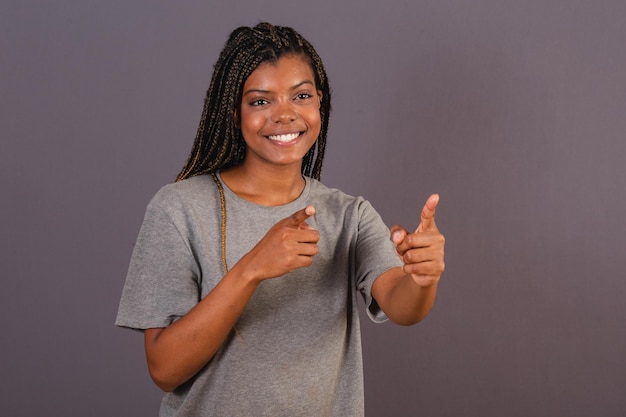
[(288, 137)]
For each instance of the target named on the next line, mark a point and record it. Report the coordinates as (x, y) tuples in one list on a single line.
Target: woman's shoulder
[(342, 210), (190, 191), (333, 196)]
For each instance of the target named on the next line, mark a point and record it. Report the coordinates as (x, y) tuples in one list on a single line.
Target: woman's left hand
[(422, 251)]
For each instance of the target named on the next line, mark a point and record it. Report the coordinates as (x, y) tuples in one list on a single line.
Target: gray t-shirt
[(296, 350)]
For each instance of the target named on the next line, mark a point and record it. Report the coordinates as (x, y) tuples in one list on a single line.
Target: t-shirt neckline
[(299, 202)]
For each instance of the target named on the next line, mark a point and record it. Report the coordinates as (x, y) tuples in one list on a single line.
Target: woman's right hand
[(290, 244)]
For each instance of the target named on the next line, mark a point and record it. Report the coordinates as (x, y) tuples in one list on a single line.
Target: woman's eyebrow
[(300, 84)]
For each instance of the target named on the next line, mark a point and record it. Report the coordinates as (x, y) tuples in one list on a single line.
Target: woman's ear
[(319, 93), (236, 119)]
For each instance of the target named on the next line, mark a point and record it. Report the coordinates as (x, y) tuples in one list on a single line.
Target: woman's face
[(280, 112)]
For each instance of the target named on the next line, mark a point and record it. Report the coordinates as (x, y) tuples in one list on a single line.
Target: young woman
[(246, 271)]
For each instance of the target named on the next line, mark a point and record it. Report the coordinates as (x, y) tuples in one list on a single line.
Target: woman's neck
[(267, 187)]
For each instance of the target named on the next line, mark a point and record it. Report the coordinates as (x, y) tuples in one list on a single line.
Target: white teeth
[(284, 138)]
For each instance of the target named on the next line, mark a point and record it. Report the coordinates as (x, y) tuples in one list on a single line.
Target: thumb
[(428, 214), (397, 234), (299, 217)]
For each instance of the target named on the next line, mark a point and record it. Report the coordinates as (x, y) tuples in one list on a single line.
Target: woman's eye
[(304, 96), (258, 102)]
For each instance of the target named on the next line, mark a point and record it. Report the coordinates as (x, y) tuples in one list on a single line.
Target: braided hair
[(219, 143)]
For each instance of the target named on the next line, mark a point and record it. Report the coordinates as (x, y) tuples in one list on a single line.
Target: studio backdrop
[(513, 111)]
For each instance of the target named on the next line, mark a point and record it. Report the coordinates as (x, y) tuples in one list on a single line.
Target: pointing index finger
[(301, 216), (428, 214)]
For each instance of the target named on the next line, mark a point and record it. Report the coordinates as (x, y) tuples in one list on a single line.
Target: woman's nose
[(284, 113)]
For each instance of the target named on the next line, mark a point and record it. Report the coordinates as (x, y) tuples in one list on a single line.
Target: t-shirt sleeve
[(162, 281), (375, 254)]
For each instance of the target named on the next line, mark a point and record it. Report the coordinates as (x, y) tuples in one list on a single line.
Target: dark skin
[(279, 115)]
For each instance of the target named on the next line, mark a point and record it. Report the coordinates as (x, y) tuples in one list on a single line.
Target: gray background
[(514, 111)]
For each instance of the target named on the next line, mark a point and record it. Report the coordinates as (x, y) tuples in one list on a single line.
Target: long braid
[(219, 143)]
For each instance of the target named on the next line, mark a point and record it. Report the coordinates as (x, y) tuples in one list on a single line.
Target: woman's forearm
[(177, 352), (401, 298)]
